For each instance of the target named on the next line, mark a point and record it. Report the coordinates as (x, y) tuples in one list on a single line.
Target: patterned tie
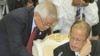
[(79, 13), (30, 41)]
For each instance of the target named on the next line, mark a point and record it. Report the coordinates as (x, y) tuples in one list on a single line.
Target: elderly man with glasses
[(17, 27), (79, 44)]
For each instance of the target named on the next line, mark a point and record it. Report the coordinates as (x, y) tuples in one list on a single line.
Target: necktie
[(79, 13), (30, 41)]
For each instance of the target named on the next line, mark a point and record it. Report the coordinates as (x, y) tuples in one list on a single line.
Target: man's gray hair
[(46, 9)]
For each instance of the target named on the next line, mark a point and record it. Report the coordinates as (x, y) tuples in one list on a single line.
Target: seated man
[(79, 43)]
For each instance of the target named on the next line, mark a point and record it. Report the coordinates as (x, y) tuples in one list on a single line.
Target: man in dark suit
[(15, 27), (79, 43)]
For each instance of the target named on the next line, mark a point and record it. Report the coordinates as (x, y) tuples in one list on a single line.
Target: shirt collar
[(33, 25), (76, 53)]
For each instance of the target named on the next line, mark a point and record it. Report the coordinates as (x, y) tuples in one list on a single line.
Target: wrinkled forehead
[(79, 30)]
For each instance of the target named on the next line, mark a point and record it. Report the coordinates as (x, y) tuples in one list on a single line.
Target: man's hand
[(79, 3), (86, 49)]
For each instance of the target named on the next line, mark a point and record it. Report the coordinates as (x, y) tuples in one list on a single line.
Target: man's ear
[(36, 15), (37, 19), (89, 38)]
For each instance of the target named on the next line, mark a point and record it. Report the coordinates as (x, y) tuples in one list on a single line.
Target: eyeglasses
[(76, 40), (45, 23)]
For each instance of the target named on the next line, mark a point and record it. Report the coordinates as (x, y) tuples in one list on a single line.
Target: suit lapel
[(30, 21), (69, 52)]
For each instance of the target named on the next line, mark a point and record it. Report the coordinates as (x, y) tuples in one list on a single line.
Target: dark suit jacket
[(15, 28), (64, 50)]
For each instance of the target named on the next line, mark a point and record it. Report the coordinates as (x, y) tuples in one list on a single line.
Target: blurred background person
[(31, 3), (13, 4), (67, 10), (7, 6)]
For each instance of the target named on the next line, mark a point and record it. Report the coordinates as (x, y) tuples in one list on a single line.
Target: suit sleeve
[(15, 28)]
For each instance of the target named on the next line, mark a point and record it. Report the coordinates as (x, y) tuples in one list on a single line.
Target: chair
[(3, 7), (46, 46)]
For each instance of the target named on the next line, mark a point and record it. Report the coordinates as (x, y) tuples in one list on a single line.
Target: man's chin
[(73, 49)]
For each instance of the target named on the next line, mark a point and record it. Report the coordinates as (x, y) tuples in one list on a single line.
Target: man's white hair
[(46, 9)]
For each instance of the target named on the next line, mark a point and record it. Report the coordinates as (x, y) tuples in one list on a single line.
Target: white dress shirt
[(77, 54), (33, 25)]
